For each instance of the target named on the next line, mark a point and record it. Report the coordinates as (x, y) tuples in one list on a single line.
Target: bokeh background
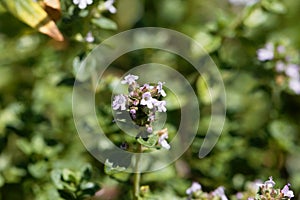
[(38, 139)]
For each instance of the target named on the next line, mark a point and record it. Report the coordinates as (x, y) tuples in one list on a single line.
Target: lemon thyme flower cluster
[(107, 5), (285, 62), (142, 103), (255, 191), (267, 191), (195, 192)]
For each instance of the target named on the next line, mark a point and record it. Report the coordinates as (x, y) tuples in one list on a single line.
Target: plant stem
[(137, 175)]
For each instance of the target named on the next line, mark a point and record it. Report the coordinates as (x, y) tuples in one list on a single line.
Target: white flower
[(82, 4), (266, 53), (130, 79), (160, 89), (89, 37), (163, 142), (109, 6), (270, 183), (287, 192), (119, 102), (194, 188), (243, 2), (280, 66), (220, 193), (146, 87), (147, 100), (149, 129), (294, 84), (160, 105), (292, 70)]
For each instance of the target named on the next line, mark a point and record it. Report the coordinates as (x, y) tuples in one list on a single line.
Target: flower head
[(287, 192), (119, 102), (220, 193), (294, 84), (89, 37), (160, 105), (109, 6), (266, 53), (160, 89), (194, 188), (280, 66), (292, 71), (129, 79), (82, 4), (270, 183), (162, 139), (147, 100)]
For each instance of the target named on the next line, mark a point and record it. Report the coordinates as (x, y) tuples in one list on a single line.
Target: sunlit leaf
[(31, 13), (105, 23), (274, 6)]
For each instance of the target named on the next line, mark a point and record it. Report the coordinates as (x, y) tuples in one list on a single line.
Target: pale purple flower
[(281, 49), (250, 198), (292, 71), (82, 4), (163, 142), (270, 183), (119, 102), (160, 89), (239, 195), (146, 87), (133, 113), (89, 37), (287, 192), (149, 129), (109, 6), (220, 193), (147, 100), (280, 66), (294, 84), (194, 188), (266, 53), (254, 186), (151, 117), (130, 79), (243, 2), (160, 105)]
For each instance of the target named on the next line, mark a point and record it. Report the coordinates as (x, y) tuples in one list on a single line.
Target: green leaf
[(209, 43), (38, 170), (256, 18), (89, 188), (274, 6), (207, 95), (152, 140), (24, 146), (105, 23), (2, 181), (56, 178), (284, 133), (86, 172), (13, 174), (109, 169), (70, 176), (38, 144)]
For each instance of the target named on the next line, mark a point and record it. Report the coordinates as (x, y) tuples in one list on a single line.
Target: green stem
[(137, 175)]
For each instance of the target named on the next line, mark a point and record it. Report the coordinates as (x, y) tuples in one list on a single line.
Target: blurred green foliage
[(38, 139)]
